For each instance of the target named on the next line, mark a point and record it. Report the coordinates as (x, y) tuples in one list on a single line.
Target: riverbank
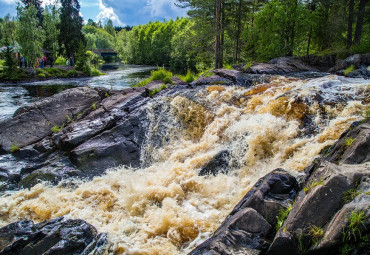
[(48, 73)]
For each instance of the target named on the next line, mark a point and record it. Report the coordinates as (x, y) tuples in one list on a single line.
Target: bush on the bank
[(61, 61), (161, 74)]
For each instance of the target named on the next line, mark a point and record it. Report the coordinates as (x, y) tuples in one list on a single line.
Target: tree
[(109, 28), (70, 27), (51, 21), (360, 20), (37, 5), (10, 67), (29, 35), (350, 23)]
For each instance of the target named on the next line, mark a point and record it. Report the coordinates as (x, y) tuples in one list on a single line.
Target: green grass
[(72, 73), (93, 106), (367, 114), (316, 233), (96, 72), (353, 229), (282, 216), (155, 91), (350, 194), (56, 129), (14, 148), (350, 69), (312, 185), (157, 75)]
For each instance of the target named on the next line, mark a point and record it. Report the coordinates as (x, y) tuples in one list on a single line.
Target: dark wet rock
[(177, 81), (243, 234), (356, 60), (252, 220), (283, 65), (353, 146), (284, 243), (33, 123), (238, 78), (322, 63), (211, 80), (270, 194), (218, 164), (57, 236)]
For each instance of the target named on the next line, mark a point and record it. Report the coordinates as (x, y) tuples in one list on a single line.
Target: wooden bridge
[(105, 52)]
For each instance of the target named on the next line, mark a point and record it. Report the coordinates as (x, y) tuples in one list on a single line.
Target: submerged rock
[(57, 236)]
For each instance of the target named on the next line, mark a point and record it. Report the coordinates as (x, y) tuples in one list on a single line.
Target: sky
[(121, 12)]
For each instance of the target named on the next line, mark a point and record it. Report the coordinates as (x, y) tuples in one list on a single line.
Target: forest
[(216, 33)]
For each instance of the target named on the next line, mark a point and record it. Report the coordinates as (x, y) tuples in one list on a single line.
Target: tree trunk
[(239, 24), (218, 33), (309, 41), (360, 21), (222, 28), (350, 23)]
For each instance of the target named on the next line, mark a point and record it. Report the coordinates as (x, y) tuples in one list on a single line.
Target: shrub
[(96, 72), (161, 74), (189, 77), (61, 61), (14, 148), (72, 73), (42, 75)]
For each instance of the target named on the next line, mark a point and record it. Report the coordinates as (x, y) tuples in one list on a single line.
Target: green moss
[(14, 148), (312, 185), (349, 195), (350, 69), (282, 216), (349, 142)]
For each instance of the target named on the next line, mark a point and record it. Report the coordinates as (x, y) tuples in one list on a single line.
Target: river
[(13, 96)]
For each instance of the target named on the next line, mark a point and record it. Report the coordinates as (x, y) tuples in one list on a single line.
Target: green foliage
[(350, 194), (72, 74), (50, 23), (350, 69), (143, 83), (282, 216), (316, 233), (14, 148), (98, 38), (356, 219), (57, 129), (348, 142), (367, 114), (161, 75), (30, 36), (61, 61), (189, 77), (312, 185), (70, 27), (155, 91)]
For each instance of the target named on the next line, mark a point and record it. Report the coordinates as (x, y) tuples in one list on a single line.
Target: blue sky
[(122, 12)]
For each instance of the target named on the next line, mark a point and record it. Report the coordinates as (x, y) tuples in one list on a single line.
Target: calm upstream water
[(13, 96)]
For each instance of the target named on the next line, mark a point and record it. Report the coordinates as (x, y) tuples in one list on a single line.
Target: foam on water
[(167, 208)]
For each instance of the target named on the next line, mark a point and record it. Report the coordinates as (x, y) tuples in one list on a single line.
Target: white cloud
[(8, 1), (108, 13)]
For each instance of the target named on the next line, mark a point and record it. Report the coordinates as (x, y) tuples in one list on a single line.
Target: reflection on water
[(13, 96)]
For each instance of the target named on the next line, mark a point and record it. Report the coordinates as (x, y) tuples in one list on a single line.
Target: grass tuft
[(350, 69), (312, 185), (282, 216), (14, 148)]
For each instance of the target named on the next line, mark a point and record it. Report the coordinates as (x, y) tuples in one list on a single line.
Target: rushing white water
[(167, 208)]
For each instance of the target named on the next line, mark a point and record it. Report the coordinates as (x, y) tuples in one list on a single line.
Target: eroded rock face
[(57, 236), (32, 123), (283, 65), (246, 229), (319, 220)]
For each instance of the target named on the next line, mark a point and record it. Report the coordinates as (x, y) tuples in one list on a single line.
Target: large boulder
[(57, 236), (282, 65), (356, 60), (248, 226), (32, 123)]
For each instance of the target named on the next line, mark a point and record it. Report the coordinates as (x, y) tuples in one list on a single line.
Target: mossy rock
[(37, 177)]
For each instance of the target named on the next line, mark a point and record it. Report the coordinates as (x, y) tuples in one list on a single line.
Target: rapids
[(166, 208)]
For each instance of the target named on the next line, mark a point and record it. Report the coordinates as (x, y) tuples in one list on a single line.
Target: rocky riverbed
[(229, 164)]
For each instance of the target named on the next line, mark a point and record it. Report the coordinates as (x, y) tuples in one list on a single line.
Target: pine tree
[(70, 27), (37, 4)]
